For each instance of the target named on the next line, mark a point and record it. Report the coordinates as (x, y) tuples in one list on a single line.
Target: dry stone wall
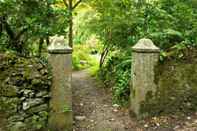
[(176, 92), (24, 93)]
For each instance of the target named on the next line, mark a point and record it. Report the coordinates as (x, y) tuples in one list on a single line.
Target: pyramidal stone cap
[(145, 46), (60, 50), (58, 46)]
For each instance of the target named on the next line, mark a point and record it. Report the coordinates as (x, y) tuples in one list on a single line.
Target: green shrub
[(116, 74), (82, 58), (81, 53)]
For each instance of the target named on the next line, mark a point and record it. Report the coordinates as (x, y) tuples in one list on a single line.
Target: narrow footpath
[(93, 108)]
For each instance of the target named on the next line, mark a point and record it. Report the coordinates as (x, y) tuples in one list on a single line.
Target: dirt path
[(93, 109)]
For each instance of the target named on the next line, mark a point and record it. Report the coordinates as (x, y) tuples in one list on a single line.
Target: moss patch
[(24, 92), (176, 88)]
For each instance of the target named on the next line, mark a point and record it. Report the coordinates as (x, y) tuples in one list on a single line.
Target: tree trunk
[(47, 41), (40, 47), (103, 56), (70, 34)]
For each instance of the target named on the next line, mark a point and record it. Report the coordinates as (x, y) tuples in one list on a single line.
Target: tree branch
[(40, 46), (65, 2), (78, 2), (8, 29), (21, 33), (1, 28)]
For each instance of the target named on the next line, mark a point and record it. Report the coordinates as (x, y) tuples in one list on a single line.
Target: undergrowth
[(84, 56)]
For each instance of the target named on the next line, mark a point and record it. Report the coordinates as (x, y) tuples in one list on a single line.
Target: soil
[(94, 102), (94, 111)]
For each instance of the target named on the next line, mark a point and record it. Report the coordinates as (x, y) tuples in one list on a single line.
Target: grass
[(83, 59)]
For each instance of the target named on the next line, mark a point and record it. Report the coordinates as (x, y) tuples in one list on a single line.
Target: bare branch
[(65, 2), (78, 2)]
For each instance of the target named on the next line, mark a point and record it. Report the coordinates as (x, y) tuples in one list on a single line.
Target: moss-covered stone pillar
[(145, 56), (60, 117)]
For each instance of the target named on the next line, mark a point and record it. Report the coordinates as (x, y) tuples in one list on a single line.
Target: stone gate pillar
[(145, 56), (60, 117)]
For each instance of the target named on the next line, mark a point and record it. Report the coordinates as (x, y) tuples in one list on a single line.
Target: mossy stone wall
[(24, 93), (176, 91)]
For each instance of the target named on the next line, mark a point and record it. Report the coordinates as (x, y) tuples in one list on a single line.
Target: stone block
[(145, 56), (61, 91)]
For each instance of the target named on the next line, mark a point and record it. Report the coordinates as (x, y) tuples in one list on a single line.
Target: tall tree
[(71, 5), (40, 19)]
